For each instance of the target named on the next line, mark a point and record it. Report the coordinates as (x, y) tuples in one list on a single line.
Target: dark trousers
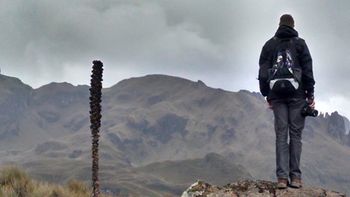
[(288, 120)]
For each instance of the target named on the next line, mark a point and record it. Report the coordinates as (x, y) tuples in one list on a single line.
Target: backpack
[(284, 77)]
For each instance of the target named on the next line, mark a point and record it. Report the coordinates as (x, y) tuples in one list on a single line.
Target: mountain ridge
[(160, 118)]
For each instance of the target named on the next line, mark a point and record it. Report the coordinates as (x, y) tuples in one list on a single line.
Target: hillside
[(158, 120), (213, 167)]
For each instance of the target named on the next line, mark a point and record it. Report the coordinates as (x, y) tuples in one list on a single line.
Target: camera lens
[(314, 113)]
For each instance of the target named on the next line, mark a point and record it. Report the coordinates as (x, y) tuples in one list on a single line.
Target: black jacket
[(304, 57)]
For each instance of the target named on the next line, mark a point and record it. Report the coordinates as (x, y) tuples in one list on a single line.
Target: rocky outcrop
[(250, 188), (338, 128)]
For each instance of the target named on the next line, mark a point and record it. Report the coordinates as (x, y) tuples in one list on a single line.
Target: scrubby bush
[(78, 187), (16, 183)]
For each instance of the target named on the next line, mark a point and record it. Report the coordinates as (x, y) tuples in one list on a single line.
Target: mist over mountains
[(160, 133)]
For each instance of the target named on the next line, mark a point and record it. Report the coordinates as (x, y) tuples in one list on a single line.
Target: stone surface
[(248, 188)]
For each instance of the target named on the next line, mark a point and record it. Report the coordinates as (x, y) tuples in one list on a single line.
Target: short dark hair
[(287, 19)]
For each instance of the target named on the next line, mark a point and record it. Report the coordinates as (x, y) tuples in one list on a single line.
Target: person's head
[(287, 19)]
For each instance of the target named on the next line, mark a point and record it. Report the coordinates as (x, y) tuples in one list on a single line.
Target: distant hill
[(158, 120), (212, 167)]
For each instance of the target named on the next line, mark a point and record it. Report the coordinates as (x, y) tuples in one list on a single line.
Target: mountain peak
[(7, 82), (157, 79), (158, 85), (57, 86)]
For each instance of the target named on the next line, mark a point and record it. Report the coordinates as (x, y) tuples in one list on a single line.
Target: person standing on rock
[(286, 79)]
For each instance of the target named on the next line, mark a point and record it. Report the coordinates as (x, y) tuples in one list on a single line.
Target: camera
[(308, 111)]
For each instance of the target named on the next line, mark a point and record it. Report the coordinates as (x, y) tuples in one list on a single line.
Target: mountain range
[(159, 134)]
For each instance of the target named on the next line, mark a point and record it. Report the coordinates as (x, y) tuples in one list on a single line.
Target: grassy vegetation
[(16, 183)]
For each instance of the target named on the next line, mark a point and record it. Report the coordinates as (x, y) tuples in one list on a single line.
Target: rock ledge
[(251, 188)]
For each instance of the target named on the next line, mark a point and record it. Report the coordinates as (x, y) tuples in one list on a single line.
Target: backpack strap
[(291, 44), (293, 47)]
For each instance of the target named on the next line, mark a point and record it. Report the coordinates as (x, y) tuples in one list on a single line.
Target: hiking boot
[(296, 183), (282, 183)]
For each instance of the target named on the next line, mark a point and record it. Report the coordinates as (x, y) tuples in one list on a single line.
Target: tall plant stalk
[(95, 120)]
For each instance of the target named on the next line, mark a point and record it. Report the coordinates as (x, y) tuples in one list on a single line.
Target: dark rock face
[(254, 188), (163, 129), (336, 126), (228, 136), (76, 123), (168, 125), (155, 99)]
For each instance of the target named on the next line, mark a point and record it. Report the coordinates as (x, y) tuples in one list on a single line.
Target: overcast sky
[(216, 41)]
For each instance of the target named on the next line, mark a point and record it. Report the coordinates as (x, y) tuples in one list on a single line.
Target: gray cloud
[(218, 42)]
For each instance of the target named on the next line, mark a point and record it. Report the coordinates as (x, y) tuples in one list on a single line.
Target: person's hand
[(311, 102), (269, 104)]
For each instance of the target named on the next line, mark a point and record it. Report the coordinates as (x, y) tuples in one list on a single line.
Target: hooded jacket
[(304, 58)]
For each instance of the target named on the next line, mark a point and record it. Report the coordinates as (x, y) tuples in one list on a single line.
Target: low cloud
[(218, 42)]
